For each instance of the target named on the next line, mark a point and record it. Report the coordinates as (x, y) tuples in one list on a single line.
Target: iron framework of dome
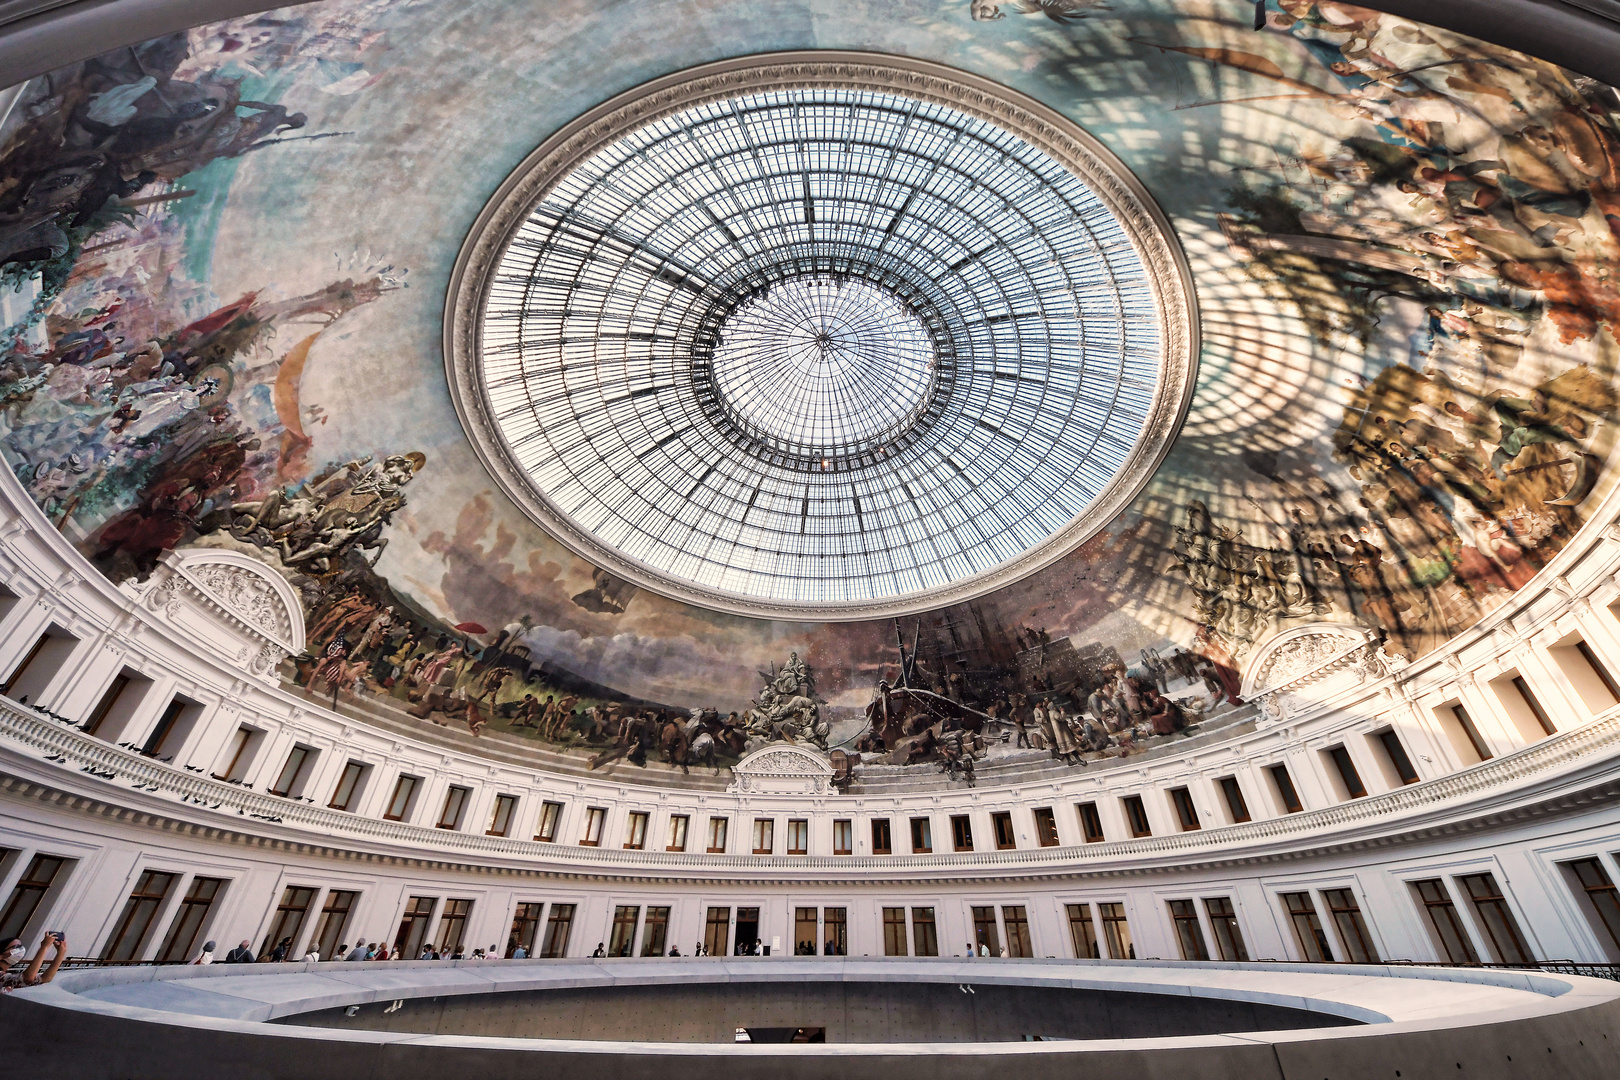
[(822, 335)]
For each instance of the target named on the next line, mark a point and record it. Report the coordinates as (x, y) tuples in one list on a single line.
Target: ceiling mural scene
[(1012, 429)]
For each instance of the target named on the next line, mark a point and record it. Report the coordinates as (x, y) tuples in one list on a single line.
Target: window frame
[(359, 772), (635, 830), (1136, 817), (407, 786), (798, 836), (456, 798), (679, 826), (719, 831), (922, 836), (499, 824), (547, 825), (961, 832), (594, 826)]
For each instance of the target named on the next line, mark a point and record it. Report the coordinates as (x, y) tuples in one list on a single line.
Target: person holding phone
[(14, 980)]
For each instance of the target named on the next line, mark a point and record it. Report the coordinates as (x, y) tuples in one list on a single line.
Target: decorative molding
[(238, 590), (1315, 655), (1146, 226), (782, 769)]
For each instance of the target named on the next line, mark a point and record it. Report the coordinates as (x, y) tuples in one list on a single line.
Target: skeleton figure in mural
[(787, 708), (328, 517), (1240, 589)]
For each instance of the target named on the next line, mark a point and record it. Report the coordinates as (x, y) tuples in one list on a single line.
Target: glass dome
[(819, 346)]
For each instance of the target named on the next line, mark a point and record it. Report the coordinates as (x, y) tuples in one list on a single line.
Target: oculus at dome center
[(799, 343)]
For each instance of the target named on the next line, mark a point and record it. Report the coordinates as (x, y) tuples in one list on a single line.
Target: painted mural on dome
[(223, 256)]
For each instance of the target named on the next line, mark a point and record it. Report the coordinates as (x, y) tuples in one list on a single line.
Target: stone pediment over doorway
[(782, 769)]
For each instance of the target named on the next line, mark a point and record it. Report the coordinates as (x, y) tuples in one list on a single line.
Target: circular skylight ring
[(1062, 320)]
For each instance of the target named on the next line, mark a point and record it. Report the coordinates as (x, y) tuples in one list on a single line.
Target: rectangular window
[(635, 831), (1189, 934), (986, 935), (1001, 824), (1500, 926), (1090, 823), (31, 678), (882, 844), (1346, 769), (545, 830), (1471, 739), (717, 836), (1285, 789), (717, 931), (595, 819), (455, 801), (453, 926), (655, 931), (747, 933), (623, 936), (525, 928), (334, 922), (189, 919), (1596, 699), (348, 786), (894, 931), (961, 833), (924, 938), (1308, 933), (399, 804), (1398, 759), (500, 820), (1233, 793), (677, 832), (1600, 891), (1448, 928), (1352, 928), (109, 700), (130, 932), (413, 926), (235, 754), (1045, 826), (558, 926), (1082, 931), (835, 932), (922, 836), (1116, 932), (764, 835), (1186, 812), (804, 931), (288, 923), (798, 836), (1530, 702), (167, 726), (843, 837), (1136, 815), (28, 893), (292, 771), (1015, 920), (1223, 921)]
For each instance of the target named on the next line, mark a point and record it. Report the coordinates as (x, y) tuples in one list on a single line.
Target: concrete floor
[(848, 1012)]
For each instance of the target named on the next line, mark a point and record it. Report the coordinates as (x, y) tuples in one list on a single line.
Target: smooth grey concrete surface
[(849, 1012), (121, 1023)]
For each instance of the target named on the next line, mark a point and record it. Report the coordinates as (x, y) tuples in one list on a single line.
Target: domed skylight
[(820, 347)]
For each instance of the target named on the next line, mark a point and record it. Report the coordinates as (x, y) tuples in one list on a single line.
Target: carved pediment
[(782, 769), (231, 603), (1300, 668)]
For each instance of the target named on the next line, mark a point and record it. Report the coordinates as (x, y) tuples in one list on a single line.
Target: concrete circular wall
[(183, 1022)]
